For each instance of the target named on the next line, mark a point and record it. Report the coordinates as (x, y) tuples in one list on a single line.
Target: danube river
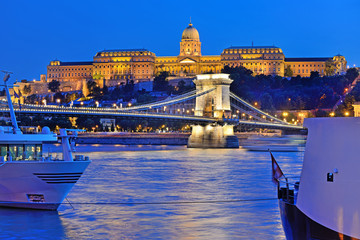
[(163, 192)]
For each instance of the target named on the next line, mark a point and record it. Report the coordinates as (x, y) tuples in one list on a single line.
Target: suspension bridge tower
[(216, 104)]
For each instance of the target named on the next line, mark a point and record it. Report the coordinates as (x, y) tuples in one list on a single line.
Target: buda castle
[(115, 67)]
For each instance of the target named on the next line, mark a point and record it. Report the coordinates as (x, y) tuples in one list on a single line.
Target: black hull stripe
[(60, 179), (62, 182), (53, 174), (50, 177)]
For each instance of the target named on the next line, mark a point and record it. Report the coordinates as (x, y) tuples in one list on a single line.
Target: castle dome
[(190, 33)]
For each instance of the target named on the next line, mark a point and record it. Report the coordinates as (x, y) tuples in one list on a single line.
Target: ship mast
[(16, 129)]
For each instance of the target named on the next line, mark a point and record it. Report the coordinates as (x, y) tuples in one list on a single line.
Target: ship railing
[(48, 158), (288, 188)]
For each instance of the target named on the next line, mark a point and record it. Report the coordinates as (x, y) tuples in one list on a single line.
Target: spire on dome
[(190, 24)]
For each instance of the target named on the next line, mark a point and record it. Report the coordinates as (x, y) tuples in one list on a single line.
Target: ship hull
[(38, 185), (297, 226)]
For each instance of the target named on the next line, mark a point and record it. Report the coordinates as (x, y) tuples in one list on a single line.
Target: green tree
[(288, 71), (266, 102), (93, 88), (27, 89), (352, 74), (54, 85), (144, 98), (160, 82), (58, 95), (346, 106), (330, 67), (314, 74)]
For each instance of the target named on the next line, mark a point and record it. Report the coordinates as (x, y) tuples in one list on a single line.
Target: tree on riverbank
[(297, 93), (54, 86)]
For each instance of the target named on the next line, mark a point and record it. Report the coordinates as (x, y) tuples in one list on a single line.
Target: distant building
[(304, 66), (356, 106), (116, 67)]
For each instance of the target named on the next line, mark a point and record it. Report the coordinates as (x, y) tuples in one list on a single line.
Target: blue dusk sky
[(35, 32)]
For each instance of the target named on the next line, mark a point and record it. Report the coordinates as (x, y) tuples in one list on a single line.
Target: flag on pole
[(276, 170)]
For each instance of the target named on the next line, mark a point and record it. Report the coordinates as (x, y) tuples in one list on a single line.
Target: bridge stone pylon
[(217, 102)]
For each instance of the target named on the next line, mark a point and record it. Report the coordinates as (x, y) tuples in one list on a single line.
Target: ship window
[(16, 152), (3, 150)]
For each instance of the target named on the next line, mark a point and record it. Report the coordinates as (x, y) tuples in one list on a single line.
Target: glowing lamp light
[(347, 114), (332, 114)]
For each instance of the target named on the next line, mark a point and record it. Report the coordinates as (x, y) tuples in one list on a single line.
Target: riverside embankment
[(141, 138)]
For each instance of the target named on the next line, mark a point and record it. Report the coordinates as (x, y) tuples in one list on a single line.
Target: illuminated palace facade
[(118, 66)]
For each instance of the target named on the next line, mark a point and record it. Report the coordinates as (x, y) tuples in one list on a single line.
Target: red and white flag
[(276, 170)]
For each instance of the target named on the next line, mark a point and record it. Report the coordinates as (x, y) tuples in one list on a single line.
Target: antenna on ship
[(16, 129)]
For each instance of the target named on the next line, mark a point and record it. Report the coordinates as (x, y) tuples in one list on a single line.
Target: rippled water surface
[(163, 192)]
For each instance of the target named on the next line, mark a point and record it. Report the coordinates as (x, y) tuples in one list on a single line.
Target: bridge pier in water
[(214, 104)]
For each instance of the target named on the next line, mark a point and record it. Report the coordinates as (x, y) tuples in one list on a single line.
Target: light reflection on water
[(119, 176)]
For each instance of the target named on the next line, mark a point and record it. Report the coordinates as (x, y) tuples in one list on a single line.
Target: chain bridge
[(211, 102)]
